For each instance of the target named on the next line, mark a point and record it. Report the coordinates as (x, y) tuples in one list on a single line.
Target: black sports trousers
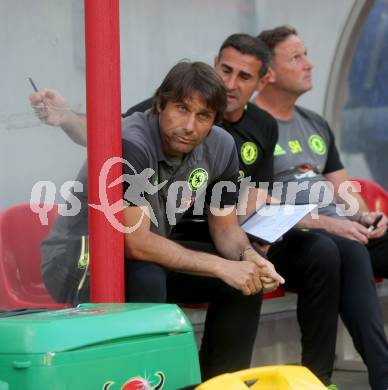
[(231, 319)]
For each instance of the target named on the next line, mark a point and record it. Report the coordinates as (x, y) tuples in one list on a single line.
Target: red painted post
[(103, 103)]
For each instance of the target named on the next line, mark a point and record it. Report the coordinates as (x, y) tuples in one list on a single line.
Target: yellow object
[(266, 378)]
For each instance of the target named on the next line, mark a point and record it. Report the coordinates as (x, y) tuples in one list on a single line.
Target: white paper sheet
[(270, 222)]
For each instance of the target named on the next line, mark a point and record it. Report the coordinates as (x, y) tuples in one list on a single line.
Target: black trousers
[(231, 320), (378, 251), (334, 275)]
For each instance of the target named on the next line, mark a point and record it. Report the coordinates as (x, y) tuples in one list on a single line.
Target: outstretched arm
[(51, 108)]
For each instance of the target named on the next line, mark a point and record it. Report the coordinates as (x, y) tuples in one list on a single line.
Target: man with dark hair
[(183, 80), (248, 45), (241, 62), (189, 159), (335, 257)]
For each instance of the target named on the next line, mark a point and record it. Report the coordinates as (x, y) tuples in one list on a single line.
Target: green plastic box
[(99, 346)]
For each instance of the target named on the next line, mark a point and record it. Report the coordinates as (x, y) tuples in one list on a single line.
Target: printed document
[(270, 222)]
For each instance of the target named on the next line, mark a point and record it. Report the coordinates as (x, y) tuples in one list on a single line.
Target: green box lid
[(87, 324)]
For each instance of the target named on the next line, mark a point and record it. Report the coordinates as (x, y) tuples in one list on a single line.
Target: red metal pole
[(103, 102)]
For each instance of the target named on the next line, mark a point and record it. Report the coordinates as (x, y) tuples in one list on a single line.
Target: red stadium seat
[(279, 292), (21, 233), (375, 197)]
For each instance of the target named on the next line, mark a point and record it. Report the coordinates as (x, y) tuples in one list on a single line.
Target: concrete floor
[(351, 380)]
